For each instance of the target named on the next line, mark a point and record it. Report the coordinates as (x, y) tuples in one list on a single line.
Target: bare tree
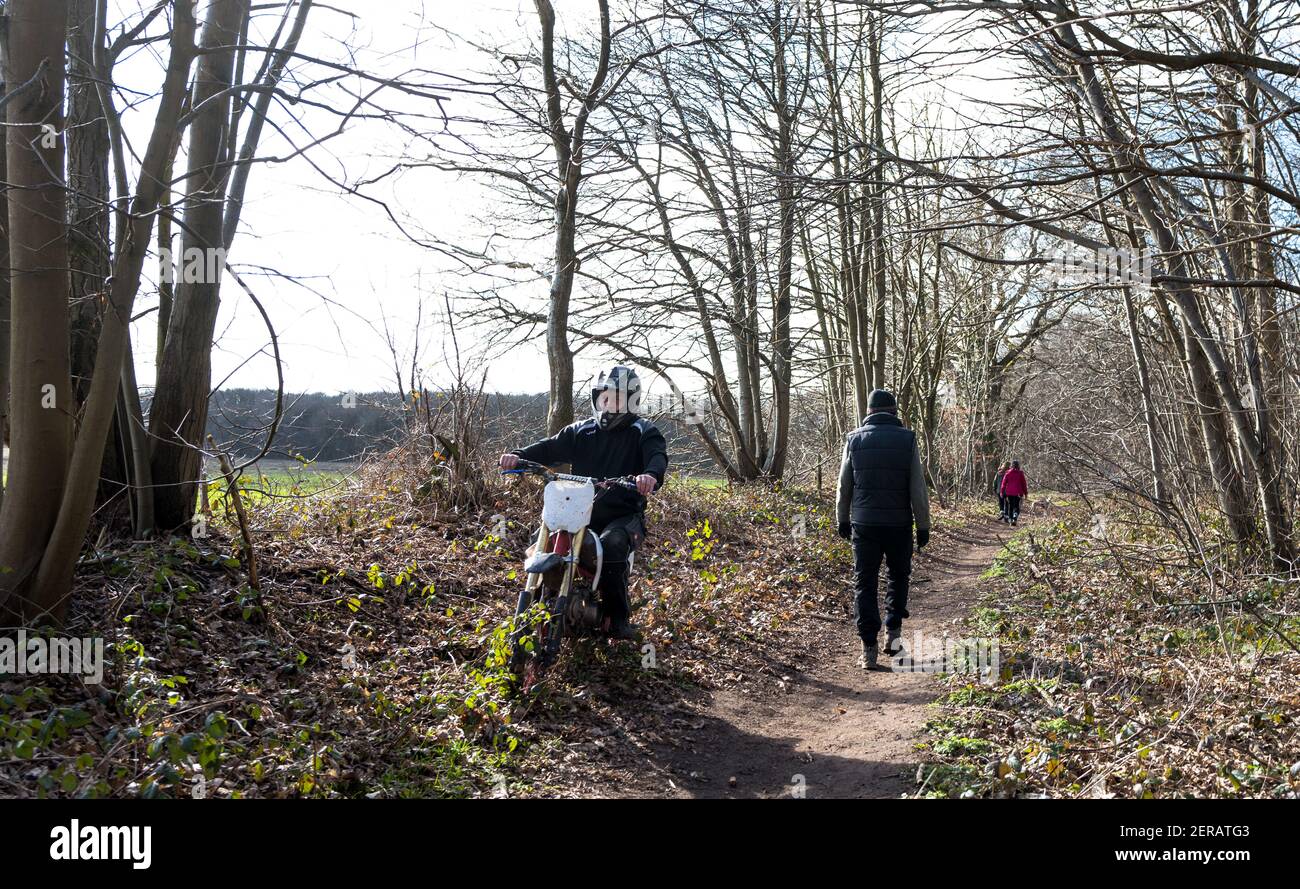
[(53, 482)]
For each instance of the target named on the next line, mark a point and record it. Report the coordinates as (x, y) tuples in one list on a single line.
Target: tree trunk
[(4, 278), (1159, 485), (89, 250), (88, 245), (40, 389), (178, 417), (781, 352), (568, 148), (559, 356), (53, 581), (879, 296)]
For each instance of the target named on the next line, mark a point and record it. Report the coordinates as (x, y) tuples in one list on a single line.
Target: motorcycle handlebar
[(528, 466)]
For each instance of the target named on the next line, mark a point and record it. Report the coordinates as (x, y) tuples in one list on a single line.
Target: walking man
[(881, 493)]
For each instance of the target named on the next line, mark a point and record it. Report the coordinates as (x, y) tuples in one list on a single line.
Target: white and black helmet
[(623, 380)]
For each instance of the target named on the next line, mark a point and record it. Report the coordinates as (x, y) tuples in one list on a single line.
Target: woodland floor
[(371, 661)]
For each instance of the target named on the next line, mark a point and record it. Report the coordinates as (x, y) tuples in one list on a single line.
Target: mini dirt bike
[(563, 567)]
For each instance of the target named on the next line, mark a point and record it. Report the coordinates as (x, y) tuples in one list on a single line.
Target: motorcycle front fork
[(543, 545), (532, 587)]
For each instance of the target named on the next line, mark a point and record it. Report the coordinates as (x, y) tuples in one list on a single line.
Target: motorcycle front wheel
[(528, 666)]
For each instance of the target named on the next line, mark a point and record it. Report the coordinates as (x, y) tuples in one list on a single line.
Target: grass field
[(283, 478), (701, 482)]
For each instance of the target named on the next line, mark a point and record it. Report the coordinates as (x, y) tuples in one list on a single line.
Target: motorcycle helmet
[(624, 381)]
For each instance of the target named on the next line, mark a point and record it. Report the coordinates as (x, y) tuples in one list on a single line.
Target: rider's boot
[(624, 630), (616, 604)]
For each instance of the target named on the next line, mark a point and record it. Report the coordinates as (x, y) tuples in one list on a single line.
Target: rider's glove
[(846, 530), (922, 537)]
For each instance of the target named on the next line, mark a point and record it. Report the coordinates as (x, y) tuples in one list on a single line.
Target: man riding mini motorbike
[(613, 442)]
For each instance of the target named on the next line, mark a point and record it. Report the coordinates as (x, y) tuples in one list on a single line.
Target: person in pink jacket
[(1013, 487)]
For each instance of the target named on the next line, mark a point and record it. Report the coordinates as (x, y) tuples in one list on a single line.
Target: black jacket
[(634, 449), (881, 479)]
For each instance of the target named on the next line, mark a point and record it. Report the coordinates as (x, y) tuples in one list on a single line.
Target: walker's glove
[(846, 530), (922, 538)]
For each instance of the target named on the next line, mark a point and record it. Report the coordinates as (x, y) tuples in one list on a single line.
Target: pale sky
[(352, 264)]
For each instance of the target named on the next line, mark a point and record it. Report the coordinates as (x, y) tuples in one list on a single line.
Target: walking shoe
[(892, 644), (870, 654)]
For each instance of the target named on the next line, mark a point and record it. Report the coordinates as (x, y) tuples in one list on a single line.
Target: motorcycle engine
[(583, 610)]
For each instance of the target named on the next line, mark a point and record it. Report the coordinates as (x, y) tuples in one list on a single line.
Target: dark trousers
[(1013, 507), (871, 544), (618, 538), (1002, 505)]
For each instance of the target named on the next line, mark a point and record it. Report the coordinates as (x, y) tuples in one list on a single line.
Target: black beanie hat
[(881, 399)]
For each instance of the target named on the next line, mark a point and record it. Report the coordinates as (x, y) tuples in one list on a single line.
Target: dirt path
[(849, 734)]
